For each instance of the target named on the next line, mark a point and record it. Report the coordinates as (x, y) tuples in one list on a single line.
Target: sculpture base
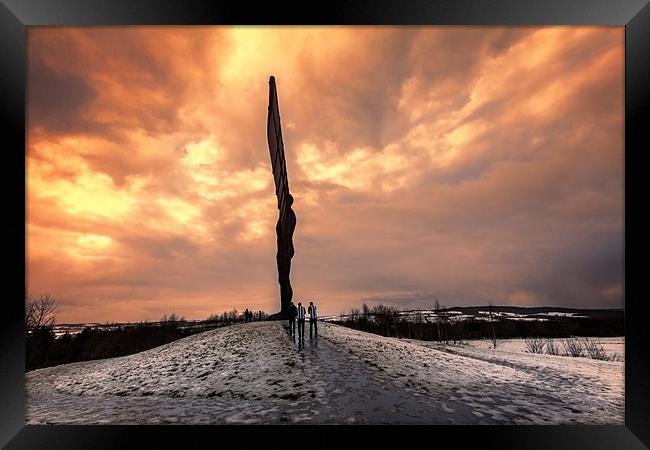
[(278, 316)]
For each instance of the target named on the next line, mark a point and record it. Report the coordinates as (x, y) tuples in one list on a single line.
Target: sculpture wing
[(276, 151)]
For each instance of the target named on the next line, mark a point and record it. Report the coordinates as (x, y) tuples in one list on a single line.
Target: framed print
[(249, 222)]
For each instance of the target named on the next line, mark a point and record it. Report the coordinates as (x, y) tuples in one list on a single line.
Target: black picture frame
[(16, 15)]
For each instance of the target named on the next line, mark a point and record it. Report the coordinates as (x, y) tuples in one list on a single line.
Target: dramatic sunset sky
[(471, 164)]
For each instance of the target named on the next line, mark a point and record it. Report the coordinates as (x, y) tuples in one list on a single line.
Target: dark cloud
[(362, 87), (58, 101)]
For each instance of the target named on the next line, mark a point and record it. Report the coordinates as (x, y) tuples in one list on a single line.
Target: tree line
[(390, 321), (43, 348)]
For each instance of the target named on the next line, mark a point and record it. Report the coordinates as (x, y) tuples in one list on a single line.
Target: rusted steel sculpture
[(287, 218)]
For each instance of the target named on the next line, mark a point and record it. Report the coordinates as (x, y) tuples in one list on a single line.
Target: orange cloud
[(464, 163)]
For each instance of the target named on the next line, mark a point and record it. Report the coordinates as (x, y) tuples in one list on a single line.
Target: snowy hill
[(254, 373)]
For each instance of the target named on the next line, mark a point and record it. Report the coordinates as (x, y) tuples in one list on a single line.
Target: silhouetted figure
[(259, 316), (247, 316), (293, 312), (313, 319), (285, 252), (301, 321)]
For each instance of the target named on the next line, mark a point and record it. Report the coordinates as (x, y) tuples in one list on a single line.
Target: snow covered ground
[(614, 346), (255, 373)]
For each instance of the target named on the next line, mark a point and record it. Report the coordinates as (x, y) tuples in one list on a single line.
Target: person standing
[(293, 312), (246, 316), (313, 319), (301, 321)]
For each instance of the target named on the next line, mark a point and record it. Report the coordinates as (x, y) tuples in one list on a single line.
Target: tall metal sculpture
[(287, 218)]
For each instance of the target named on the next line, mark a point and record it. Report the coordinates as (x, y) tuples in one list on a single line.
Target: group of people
[(297, 313), (248, 315)]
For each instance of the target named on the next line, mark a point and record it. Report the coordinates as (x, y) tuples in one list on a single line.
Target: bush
[(572, 347), (535, 345), (616, 357), (552, 348), (173, 321), (594, 350)]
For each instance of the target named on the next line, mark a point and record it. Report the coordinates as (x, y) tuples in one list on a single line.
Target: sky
[(464, 164)]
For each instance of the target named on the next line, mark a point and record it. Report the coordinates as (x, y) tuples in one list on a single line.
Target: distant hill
[(540, 313), (483, 322)]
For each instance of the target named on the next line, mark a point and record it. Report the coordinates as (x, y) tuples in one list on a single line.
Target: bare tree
[(366, 315), (213, 318), (594, 350), (491, 316), (418, 319), (552, 348), (535, 345), (437, 308), (355, 315), (39, 312), (30, 303), (573, 347), (172, 321), (442, 321), (386, 317)]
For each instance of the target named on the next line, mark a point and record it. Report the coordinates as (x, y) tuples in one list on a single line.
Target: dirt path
[(361, 394)]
